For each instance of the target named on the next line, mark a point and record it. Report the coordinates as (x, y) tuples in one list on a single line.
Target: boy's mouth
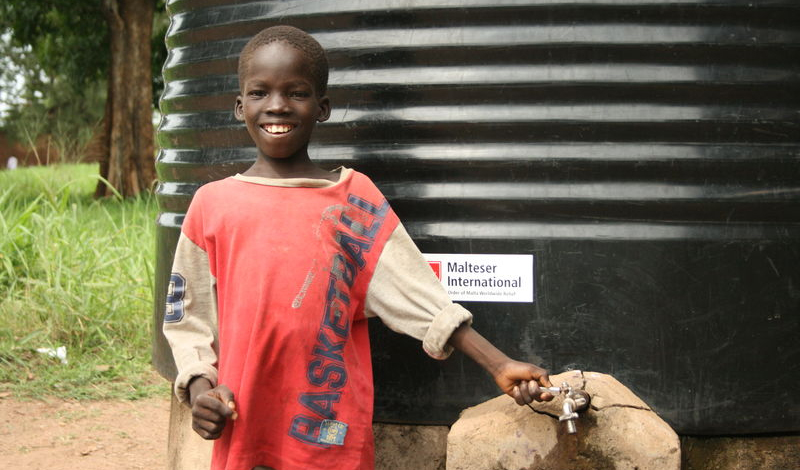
[(277, 128)]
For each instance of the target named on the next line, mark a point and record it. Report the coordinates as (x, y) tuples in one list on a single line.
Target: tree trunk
[(128, 161)]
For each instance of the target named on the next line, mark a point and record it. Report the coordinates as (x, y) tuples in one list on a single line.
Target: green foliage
[(70, 38), (60, 48), (44, 111), (67, 36), (74, 272)]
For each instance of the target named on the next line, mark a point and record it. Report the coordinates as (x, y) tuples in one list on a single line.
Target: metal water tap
[(574, 401)]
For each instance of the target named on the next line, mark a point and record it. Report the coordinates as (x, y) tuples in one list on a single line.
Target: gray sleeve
[(408, 297), (190, 322)]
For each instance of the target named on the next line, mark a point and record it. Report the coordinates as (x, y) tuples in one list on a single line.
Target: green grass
[(78, 273)]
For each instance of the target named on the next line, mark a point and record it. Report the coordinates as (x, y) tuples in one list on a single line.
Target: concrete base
[(741, 453), (186, 450), (400, 447)]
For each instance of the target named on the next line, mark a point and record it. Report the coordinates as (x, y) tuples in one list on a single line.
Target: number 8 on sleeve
[(175, 293)]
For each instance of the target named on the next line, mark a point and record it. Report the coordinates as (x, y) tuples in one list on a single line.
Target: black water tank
[(645, 153)]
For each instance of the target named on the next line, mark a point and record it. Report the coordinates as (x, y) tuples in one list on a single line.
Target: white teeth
[(277, 128)]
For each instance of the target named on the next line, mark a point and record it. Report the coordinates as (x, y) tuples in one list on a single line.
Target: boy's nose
[(277, 104)]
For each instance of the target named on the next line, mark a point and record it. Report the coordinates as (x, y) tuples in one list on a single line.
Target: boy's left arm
[(520, 380), (409, 298)]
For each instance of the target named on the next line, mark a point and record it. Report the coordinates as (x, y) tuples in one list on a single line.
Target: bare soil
[(91, 435)]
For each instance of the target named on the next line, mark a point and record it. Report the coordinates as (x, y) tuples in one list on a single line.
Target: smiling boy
[(275, 274)]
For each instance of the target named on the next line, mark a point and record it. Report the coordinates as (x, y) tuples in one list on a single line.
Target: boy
[(275, 273)]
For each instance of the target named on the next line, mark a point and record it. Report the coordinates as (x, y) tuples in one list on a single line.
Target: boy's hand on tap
[(522, 381)]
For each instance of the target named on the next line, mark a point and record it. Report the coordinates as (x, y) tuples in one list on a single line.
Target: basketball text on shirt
[(326, 372)]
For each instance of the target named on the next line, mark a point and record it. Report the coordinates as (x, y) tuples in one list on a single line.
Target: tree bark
[(128, 162)]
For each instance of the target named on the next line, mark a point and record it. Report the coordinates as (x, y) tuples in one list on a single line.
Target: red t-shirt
[(292, 266)]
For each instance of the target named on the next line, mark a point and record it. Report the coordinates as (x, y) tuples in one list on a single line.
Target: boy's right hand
[(211, 408)]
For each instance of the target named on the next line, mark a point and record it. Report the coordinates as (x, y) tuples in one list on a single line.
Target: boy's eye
[(299, 94), (257, 93)]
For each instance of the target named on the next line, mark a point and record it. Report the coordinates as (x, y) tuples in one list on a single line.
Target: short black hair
[(296, 38)]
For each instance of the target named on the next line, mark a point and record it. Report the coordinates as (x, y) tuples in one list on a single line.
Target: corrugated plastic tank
[(646, 153)]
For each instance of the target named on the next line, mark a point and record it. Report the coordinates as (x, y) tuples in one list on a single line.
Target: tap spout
[(574, 401)]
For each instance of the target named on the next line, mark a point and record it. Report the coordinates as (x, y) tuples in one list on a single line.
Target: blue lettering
[(344, 269), (368, 206), (360, 229), (329, 349), (321, 403), (334, 318), (334, 293), (334, 375), (175, 293), (306, 429), (354, 247)]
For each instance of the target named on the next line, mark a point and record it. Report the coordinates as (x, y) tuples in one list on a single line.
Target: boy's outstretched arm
[(211, 407), (519, 380)]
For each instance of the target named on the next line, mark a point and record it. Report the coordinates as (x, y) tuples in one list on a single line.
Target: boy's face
[(279, 104)]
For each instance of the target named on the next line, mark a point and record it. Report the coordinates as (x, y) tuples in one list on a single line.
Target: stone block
[(618, 432)]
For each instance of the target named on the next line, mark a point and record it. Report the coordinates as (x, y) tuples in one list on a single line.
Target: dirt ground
[(91, 435)]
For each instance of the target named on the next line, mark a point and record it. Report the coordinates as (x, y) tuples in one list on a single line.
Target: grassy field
[(77, 273)]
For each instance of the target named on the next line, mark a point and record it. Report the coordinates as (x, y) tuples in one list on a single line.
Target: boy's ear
[(238, 109), (324, 109)]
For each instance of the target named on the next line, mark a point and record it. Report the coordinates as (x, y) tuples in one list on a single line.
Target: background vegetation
[(75, 272), (75, 73), (76, 259)]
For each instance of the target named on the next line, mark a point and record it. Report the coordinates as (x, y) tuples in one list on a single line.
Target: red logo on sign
[(437, 268)]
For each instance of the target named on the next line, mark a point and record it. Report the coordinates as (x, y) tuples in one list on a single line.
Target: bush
[(74, 272)]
